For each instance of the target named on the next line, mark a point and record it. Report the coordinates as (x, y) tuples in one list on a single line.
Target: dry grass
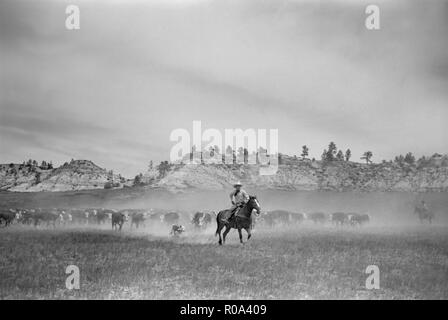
[(297, 263)]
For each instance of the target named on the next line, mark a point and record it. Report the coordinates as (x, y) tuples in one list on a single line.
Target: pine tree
[(305, 151), (331, 153), (409, 158), (367, 156), (340, 156), (324, 155), (348, 154)]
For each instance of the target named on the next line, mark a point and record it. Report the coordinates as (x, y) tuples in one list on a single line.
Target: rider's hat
[(238, 183)]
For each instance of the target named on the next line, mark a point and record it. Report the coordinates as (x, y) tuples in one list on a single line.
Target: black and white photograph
[(223, 150)]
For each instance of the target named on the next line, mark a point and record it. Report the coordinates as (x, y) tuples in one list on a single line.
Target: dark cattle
[(138, 218), (275, 217), (297, 217), (358, 219), (118, 219), (317, 217), (197, 219), (64, 217), (89, 216), (202, 219), (171, 218), (339, 218), (156, 217), (177, 230), (26, 216), (7, 217), (47, 216), (208, 218), (102, 215), (78, 215)]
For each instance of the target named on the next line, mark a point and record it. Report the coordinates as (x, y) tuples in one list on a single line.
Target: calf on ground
[(177, 230)]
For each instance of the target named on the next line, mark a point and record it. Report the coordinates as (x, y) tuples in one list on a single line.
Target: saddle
[(230, 214)]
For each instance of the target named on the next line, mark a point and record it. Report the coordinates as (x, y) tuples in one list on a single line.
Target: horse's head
[(254, 204)]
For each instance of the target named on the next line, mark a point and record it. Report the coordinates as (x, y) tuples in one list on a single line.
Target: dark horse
[(241, 220)]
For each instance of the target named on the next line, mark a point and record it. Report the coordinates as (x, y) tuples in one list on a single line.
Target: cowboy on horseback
[(239, 198), (239, 216)]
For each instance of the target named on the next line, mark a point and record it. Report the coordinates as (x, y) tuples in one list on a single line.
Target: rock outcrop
[(76, 175), (310, 175), (292, 174)]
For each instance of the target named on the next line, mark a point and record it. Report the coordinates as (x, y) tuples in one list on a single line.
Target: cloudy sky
[(113, 91)]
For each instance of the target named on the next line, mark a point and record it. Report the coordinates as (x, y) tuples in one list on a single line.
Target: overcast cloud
[(113, 91)]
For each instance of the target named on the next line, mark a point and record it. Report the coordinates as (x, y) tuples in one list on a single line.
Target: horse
[(423, 214), (241, 220)]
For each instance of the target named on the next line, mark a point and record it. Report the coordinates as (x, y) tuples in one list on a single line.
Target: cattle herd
[(136, 218), (276, 217), (61, 217), (92, 216)]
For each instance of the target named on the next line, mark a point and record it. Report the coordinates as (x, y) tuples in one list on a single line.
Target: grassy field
[(294, 263)]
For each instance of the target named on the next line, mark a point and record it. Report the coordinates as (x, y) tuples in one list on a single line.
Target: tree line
[(29, 166), (329, 154)]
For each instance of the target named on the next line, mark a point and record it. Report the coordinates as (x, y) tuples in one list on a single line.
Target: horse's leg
[(240, 234), (218, 232), (249, 234), (225, 233)]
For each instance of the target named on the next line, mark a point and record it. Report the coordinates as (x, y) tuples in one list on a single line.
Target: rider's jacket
[(239, 197)]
